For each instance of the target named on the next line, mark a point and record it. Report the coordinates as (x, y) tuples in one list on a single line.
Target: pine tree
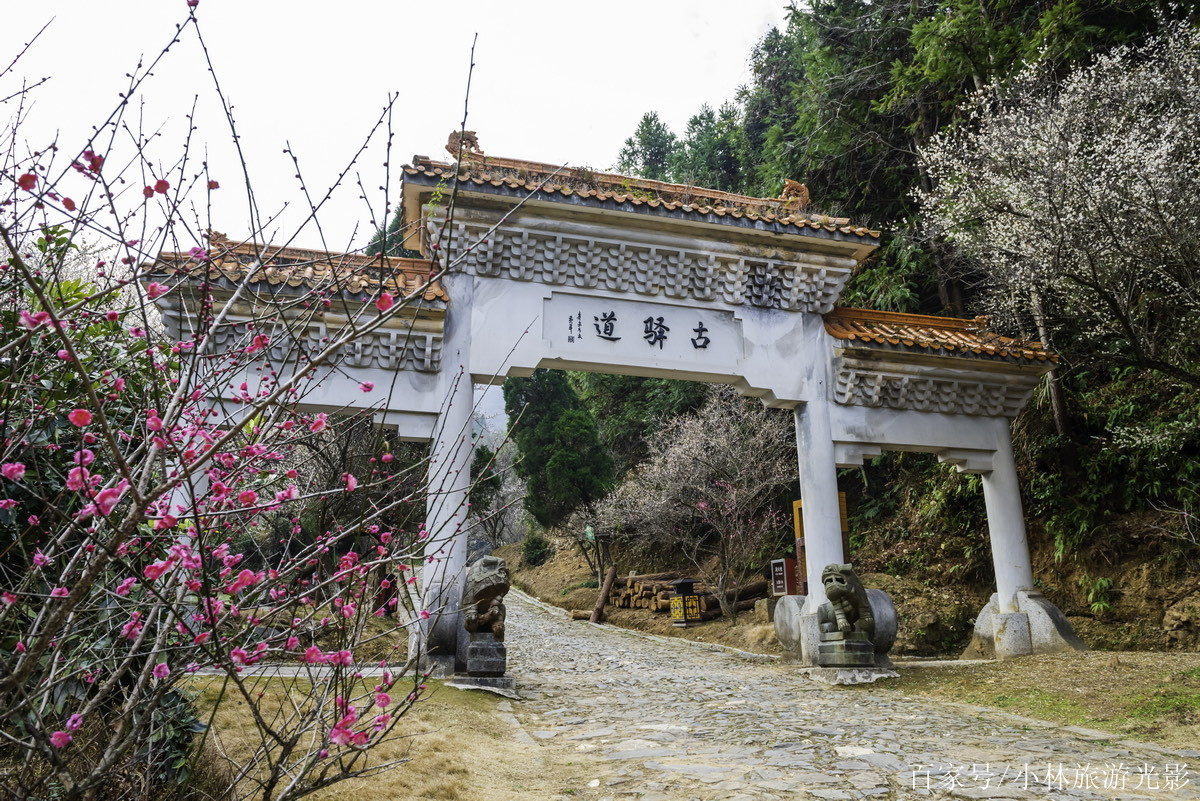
[(648, 152), (561, 458)]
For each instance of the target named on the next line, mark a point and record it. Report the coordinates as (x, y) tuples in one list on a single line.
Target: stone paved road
[(663, 720)]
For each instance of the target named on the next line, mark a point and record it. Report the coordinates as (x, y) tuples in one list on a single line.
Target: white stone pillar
[(448, 487), (1006, 523), (819, 491)]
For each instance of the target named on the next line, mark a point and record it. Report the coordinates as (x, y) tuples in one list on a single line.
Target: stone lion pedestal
[(844, 640), (481, 643)]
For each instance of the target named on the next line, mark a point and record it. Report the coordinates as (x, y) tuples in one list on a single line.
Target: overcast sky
[(558, 82)]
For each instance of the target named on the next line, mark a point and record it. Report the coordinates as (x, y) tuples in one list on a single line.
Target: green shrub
[(535, 550)]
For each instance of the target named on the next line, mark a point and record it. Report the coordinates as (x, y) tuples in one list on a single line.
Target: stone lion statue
[(849, 609), (483, 596)]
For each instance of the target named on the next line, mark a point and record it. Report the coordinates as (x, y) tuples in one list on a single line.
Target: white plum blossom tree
[(712, 490), (1079, 200)]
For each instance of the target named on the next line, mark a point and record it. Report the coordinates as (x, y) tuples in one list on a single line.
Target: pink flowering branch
[(157, 506)]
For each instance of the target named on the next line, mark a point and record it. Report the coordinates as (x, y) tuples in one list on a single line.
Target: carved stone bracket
[(966, 460), (924, 389), (395, 350), (387, 349)]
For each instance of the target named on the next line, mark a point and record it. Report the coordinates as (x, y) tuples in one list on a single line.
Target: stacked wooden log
[(653, 591)]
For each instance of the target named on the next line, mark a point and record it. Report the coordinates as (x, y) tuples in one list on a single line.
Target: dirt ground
[(461, 746), (452, 745)]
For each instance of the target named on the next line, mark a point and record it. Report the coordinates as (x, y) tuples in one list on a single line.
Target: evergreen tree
[(707, 156), (629, 410), (561, 458), (648, 152), (393, 238)]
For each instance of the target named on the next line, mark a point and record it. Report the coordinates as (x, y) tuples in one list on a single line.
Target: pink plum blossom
[(156, 290), (247, 578), (107, 498), (60, 739), (77, 478), (155, 571), (32, 321), (162, 670), (133, 628), (80, 417), (13, 471), (385, 301)]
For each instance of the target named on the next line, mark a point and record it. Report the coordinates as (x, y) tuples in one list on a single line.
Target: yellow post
[(798, 524)]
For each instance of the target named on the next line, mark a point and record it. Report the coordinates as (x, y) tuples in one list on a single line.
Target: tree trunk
[(1058, 404), (609, 579)]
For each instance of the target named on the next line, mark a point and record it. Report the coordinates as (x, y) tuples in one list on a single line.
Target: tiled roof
[(302, 267), (528, 176), (940, 335)]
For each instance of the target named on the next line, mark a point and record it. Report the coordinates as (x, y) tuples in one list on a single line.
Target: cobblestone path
[(658, 719)]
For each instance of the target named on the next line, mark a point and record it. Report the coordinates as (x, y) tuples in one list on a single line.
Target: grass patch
[(1178, 702), (1143, 695), (1039, 704), (586, 584)]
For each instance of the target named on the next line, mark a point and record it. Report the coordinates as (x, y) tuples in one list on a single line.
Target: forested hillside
[(1036, 162)]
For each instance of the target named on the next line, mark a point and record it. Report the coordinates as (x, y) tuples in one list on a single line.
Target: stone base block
[(500, 685), (762, 611), (1037, 627), (845, 650), (847, 675), (437, 666), (486, 658), (1010, 635), (790, 627), (886, 621)]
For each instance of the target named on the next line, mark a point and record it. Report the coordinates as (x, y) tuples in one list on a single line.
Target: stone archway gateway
[(572, 269)]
